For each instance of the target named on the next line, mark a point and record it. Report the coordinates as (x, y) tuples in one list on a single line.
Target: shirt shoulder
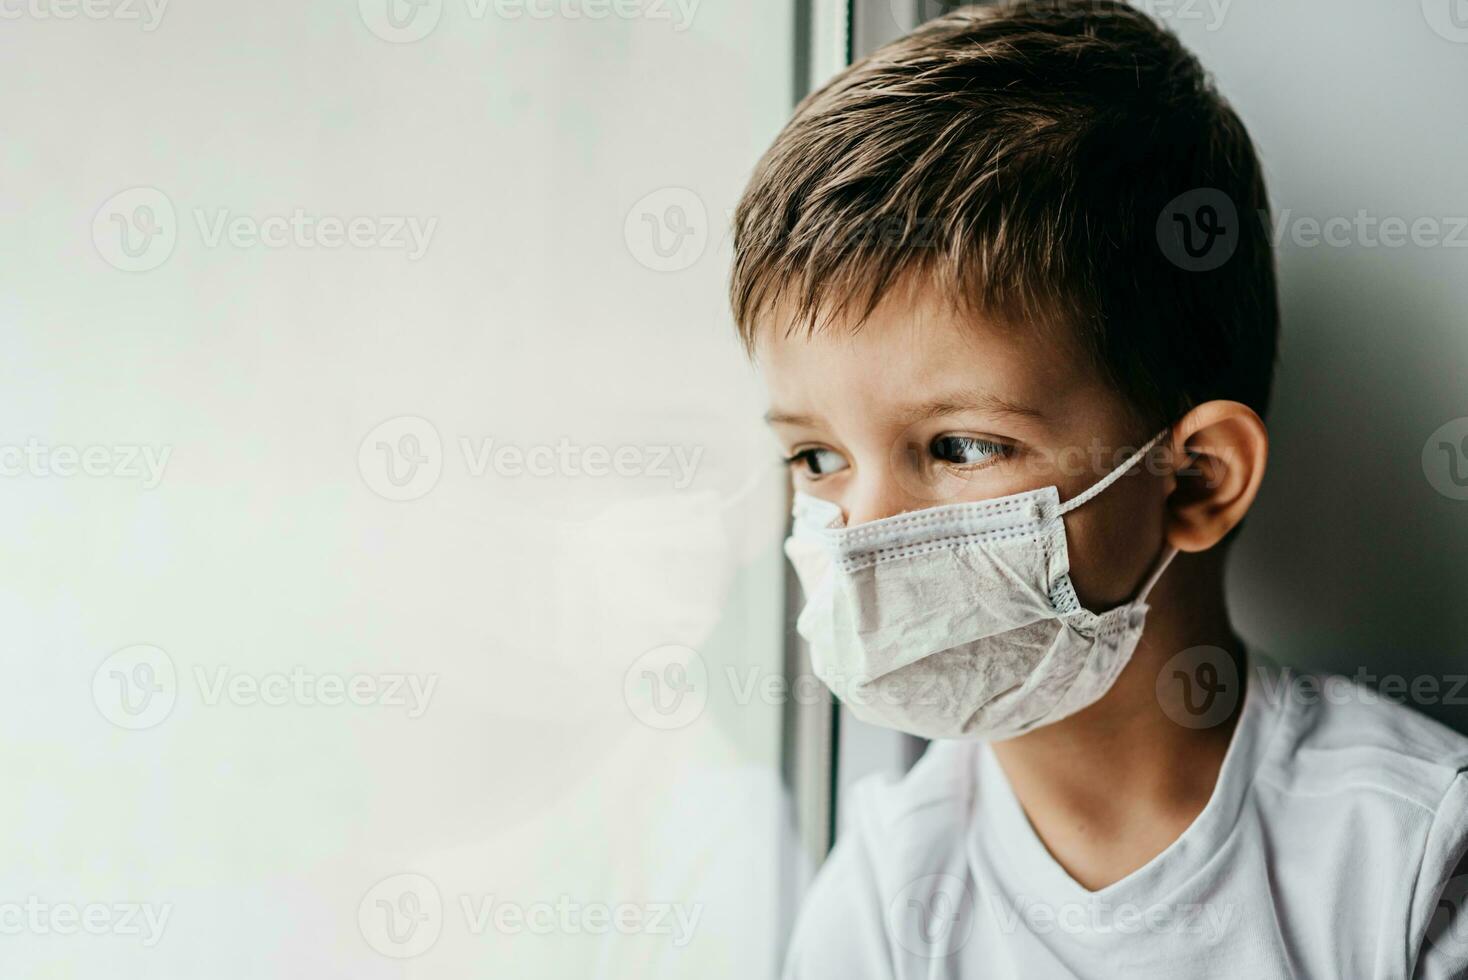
[(1342, 738), (1394, 783), (901, 842)]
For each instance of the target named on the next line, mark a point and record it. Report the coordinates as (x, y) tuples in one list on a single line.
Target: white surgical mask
[(959, 621)]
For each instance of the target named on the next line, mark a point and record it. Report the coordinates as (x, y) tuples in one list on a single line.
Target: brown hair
[(1042, 162)]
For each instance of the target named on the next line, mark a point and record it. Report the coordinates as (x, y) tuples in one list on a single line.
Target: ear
[(1220, 448)]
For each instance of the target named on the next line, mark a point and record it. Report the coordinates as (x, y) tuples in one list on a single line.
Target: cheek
[(1114, 541)]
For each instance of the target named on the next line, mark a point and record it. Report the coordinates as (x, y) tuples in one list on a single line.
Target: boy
[(1018, 325)]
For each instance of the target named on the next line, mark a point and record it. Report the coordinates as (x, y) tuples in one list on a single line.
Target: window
[(397, 589)]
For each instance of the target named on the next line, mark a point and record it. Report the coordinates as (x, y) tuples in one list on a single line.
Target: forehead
[(915, 344)]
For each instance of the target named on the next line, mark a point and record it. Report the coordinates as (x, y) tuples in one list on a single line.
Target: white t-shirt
[(1330, 849)]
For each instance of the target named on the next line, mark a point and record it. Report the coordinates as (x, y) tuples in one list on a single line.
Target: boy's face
[(923, 406)]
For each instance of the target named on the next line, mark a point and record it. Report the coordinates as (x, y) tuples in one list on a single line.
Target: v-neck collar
[(1002, 834)]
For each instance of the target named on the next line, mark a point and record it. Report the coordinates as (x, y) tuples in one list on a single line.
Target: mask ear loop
[(1169, 552), (1096, 488)]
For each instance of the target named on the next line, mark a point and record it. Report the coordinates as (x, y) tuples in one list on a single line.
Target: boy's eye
[(818, 461), (965, 450)]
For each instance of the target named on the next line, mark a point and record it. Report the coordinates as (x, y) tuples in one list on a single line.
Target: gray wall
[(1356, 557)]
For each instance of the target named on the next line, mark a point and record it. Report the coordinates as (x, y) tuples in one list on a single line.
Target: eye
[(817, 461), (965, 450)]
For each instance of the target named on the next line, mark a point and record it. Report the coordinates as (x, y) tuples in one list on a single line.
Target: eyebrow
[(983, 401), (773, 417)]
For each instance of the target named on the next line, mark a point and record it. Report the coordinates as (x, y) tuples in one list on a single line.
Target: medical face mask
[(959, 621)]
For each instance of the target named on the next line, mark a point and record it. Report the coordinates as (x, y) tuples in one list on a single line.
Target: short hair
[(1023, 158)]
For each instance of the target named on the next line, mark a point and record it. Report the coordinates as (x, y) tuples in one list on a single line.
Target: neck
[(1111, 786)]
